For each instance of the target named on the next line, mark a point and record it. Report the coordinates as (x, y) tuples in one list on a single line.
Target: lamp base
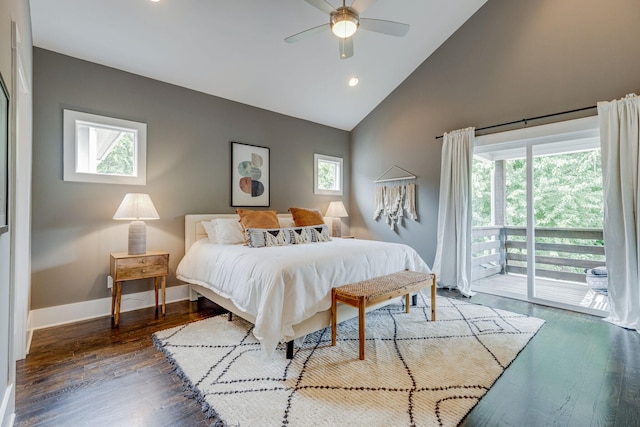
[(336, 227), (137, 238)]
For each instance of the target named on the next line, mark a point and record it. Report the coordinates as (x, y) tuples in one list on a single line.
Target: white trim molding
[(338, 176), (7, 414), (81, 152), (554, 138), (76, 312)]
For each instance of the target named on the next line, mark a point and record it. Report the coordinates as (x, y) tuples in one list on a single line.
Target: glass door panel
[(567, 216), (499, 223)]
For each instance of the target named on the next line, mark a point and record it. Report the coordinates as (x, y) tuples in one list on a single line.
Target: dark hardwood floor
[(577, 371), (92, 374)]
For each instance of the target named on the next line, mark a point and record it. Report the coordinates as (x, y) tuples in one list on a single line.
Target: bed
[(285, 291)]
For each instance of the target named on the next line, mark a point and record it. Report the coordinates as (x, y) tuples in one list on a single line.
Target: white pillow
[(224, 231), (286, 222), (228, 231), (210, 228)]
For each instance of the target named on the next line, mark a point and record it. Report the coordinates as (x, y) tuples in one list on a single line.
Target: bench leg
[(361, 310), (414, 299), (334, 317), (406, 303)]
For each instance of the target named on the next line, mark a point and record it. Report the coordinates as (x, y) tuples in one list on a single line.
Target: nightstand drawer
[(140, 267), (142, 261), (131, 273)]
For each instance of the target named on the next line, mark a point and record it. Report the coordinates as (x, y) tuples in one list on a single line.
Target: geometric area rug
[(415, 373)]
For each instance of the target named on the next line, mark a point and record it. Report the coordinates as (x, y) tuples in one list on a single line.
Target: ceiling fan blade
[(390, 28), (323, 5), (306, 33), (361, 5), (346, 48)]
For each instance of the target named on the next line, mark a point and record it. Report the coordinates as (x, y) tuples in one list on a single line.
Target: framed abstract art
[(249, 175)]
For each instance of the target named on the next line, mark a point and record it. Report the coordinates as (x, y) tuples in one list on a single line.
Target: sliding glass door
[(538, 214)]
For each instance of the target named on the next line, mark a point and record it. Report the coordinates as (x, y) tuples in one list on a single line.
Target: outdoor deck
[(562, 258), (569, 293)]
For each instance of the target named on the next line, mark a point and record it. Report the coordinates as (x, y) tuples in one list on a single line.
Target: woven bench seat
[(376, 290)]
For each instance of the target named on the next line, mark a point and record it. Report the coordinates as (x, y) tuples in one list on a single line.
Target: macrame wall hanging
[(395, 195)]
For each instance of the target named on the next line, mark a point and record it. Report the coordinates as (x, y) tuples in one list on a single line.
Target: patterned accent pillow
[(261, 237)]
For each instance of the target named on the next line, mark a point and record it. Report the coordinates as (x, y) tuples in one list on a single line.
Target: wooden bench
[(379, 289)]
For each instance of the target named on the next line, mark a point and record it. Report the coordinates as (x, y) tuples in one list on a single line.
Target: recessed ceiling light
[(155, 1), (353, 81)]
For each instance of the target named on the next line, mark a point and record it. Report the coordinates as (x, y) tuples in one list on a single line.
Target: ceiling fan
[(345, 21)]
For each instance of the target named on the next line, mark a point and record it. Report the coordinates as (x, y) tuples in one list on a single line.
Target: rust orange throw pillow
[(258, 219), (306, 217)]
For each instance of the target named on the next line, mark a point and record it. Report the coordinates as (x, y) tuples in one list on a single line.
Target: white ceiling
[(235, 49)]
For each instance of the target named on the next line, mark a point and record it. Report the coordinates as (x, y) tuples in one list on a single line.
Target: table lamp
[(336, 211), (137, 207)]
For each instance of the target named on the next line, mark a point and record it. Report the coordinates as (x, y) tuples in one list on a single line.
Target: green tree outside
[(120, 159), (567, 194), (567, 191), (327, 175)]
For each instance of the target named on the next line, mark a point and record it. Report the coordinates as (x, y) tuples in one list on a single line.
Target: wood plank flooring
[(577, 371), (92, 374)]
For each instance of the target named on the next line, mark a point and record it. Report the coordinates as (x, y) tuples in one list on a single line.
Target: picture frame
[(250, 173), (4, 157)]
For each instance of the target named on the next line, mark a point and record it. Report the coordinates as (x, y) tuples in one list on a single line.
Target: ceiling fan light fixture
[(344, 22)]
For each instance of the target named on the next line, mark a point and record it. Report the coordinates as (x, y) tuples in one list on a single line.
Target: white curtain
[(452, 264), (620, 141)]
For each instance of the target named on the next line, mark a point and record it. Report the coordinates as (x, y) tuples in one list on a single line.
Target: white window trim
[(560, 137), (69, 151), (317, 158)]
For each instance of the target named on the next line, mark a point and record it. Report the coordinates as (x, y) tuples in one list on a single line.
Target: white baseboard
[(29, 336), (70, 313), (7, 413)]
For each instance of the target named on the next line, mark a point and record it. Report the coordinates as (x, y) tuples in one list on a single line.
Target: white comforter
[(282, 286)]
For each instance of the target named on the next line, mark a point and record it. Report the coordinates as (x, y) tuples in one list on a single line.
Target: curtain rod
[(531, 118)]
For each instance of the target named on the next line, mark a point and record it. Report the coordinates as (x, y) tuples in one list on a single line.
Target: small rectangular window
[(104, 149), (327, 174)]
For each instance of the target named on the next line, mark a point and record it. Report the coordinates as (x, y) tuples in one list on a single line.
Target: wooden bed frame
[(194, 231)]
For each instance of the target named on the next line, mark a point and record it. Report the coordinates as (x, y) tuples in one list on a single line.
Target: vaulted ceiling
[(235, 49)]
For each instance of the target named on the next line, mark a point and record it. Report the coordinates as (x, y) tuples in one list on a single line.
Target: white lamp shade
[(337, 210), (136, 206)]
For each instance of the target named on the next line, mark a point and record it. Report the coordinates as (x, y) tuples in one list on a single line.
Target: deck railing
[(561, 253)]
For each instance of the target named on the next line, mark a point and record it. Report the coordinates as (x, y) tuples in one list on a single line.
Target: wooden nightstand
[(153, 264)]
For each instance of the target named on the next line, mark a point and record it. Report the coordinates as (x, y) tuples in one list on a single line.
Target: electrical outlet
[(109, 282)]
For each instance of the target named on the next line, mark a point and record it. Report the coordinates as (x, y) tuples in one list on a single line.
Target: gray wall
[(188, 136), (509, 61)]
